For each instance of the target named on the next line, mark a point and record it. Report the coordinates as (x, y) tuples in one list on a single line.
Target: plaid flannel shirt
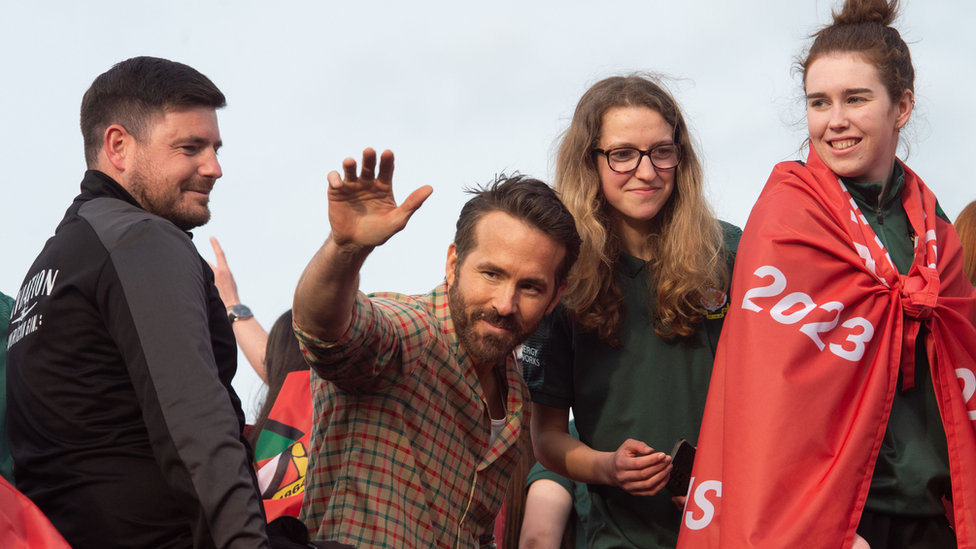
[(400, 452)]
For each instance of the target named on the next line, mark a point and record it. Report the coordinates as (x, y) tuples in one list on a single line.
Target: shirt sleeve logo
[(713, 300)]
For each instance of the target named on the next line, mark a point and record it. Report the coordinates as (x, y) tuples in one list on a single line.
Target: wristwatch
[(239, 312)]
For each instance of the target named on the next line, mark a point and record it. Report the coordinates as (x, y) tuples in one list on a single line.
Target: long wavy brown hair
[(685, 245), (966, 227)]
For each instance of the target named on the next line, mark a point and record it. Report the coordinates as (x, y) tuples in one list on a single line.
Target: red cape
[(23, 525), (820, 328)]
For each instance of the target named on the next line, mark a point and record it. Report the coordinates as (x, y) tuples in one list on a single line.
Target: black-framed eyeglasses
[(626, 159)]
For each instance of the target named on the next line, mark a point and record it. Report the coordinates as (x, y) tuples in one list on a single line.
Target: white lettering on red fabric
[(796, 306), (703, 503)]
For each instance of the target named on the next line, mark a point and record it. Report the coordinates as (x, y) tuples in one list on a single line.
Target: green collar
[(870, 192), (630, 265)]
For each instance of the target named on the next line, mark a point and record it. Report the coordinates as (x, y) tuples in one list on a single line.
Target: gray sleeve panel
[(192, 426)]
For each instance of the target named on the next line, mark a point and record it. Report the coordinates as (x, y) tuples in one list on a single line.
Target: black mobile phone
[(682, 460)]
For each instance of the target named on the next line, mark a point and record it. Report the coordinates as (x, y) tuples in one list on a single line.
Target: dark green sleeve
[(730, 237), (548, 359), (538, 472), (578, 490)]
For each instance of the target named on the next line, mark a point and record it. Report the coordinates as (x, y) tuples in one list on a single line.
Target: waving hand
[(363, 214), (362, 210)]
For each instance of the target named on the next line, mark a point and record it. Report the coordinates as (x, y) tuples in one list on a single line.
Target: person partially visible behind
[(250, 335), (840, 408), (966, 228), (419, 401), (282, 429), (630, 348), (6, 460), (556, 509), (124, 427), (282, 357)]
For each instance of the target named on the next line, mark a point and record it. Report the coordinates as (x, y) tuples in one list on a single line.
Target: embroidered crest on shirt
[(715, 302)]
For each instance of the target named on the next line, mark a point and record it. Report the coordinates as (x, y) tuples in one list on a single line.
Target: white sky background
[(458, 91)]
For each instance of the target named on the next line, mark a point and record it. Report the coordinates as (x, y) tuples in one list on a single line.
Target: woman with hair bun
[(631, 346), (841, 403)]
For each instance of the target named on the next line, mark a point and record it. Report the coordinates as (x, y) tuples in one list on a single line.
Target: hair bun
[(867, 11), (864, 27)]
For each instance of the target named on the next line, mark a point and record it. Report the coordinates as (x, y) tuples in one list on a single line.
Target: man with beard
[(419, 402), (124, 427)]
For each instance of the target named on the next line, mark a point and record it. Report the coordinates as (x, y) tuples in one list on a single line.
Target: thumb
[(412, 203), (634, 447)]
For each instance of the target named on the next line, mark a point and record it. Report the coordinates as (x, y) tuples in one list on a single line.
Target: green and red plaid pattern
[(400, 453)]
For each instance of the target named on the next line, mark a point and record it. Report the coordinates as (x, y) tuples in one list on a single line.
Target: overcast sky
[(459, 91)]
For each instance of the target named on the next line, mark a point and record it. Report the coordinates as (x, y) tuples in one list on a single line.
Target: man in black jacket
[(123, 424)]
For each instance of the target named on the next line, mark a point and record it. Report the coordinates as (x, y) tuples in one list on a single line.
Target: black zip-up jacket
[(123, 424)]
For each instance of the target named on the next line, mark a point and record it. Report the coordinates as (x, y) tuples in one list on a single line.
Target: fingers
[(634, 454), (386, 168), (642, 468), (656, 461), (335, 180), (348, 170), (679, 502), (368, 172), (219, 252), (638, 471), (650, 486)]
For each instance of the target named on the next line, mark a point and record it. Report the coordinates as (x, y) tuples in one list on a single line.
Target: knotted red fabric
[(821, 326)]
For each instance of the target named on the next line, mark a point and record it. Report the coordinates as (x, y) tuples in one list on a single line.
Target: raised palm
[(362, 209)]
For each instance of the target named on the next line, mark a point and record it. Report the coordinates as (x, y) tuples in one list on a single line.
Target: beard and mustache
[(160, 198), (487, 348)]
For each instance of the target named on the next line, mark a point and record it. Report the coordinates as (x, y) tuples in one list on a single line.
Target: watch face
[(239, 312)]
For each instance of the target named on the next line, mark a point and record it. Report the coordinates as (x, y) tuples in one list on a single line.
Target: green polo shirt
[(912, 471), (649, 389)]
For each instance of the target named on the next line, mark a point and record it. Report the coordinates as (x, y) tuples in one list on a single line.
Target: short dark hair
[(133, 91), (528, 200)]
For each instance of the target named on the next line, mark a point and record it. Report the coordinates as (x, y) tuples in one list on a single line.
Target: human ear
[(116, 147), (557, 296), (449, 268), (905, 106)]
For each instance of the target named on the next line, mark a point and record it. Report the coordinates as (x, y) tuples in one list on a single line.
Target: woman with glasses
[(841, 406), (630, 348)]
